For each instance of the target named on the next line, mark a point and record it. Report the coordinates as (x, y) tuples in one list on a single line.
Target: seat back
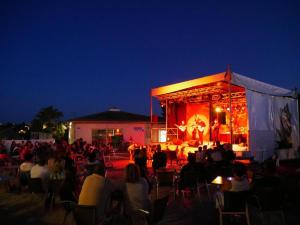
[(24, 178), (190, 179), (158, 211), (36, 185), (235, 201), (85, 215), (165, 178), (171, 155)]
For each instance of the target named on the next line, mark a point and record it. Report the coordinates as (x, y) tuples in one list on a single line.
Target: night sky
[(84, 57)]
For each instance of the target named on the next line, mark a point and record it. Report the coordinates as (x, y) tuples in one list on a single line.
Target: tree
[(47, 120)]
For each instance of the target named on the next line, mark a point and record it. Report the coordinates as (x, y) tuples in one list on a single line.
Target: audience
[(40, 170), (96, 191), (159, 159), (136, 190)]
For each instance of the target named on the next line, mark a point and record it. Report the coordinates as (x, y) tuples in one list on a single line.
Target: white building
[(111, 126)]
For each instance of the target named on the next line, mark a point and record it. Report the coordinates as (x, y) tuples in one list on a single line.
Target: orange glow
[(218, 109), (188, 84)]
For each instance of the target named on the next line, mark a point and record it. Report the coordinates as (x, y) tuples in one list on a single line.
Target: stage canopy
[(272, 112)]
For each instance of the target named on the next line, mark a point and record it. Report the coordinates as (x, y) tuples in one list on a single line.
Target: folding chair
[(164, 179), (235, 203)]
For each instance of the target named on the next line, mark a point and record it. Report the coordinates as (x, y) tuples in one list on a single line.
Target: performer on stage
[(182, 130), (198, 129), (215, 131)]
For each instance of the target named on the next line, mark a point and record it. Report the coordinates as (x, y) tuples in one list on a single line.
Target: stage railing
[(161, 135)]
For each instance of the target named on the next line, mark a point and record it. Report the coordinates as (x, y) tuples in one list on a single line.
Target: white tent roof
[(236, 79), (259, 86)]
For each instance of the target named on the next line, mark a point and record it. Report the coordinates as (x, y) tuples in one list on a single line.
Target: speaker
[(221, 116)]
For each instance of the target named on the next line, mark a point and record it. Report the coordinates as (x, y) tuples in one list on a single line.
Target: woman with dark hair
[(136, 190)]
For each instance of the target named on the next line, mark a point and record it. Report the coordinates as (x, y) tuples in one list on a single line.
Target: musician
[(182, 130), (215, 131), (198, 130)]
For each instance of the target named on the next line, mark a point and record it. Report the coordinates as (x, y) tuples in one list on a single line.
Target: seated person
[(40, 170), (200, 155), (25, 168), (136, 190), (190, 173), (239, 182), (27, 164), (216, 155), (159, 159), (96, 190), (67, 189)]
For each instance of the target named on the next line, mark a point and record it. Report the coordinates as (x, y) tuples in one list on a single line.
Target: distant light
[(218, 109), (44, 126), (228, 109)]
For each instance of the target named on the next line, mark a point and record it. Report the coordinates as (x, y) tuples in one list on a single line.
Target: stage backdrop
[(195, 112)]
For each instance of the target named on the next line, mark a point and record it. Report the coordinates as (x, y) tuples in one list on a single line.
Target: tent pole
[(166, 120), (151, 117), (228, 75), (230, 114)]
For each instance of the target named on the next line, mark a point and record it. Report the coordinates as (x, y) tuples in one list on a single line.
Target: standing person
[(182, 130), (198, 129), (215, 131)]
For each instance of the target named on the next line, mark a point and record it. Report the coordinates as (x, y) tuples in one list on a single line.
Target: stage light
[(218, 109)]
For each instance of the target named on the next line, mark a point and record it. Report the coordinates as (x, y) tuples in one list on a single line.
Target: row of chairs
[(87, 215), (169, 178), (267, 202)]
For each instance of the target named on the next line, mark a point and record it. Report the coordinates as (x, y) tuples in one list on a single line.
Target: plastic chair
[(164, 179), (235, 203)]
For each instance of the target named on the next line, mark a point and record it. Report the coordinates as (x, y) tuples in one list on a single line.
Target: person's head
[(99, 168), (158, 148), (239, 169), (132, 173), (92, 157), (28, 156), (191, 158), (200, 149), (204, 147), (41, 161)]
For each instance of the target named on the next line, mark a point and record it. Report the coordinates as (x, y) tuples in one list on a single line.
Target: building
[(112, 126)]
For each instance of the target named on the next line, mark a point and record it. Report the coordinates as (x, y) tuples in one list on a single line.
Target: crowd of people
[(81, 172)]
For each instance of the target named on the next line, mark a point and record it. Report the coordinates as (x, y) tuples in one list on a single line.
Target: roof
[(113, 116), (188, 84), (217, 84)]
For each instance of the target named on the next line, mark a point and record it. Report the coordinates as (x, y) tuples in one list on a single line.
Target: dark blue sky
[(84, 56)]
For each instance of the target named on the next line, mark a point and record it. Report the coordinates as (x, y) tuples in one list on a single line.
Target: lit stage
[(237, 148), (203, 111)]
